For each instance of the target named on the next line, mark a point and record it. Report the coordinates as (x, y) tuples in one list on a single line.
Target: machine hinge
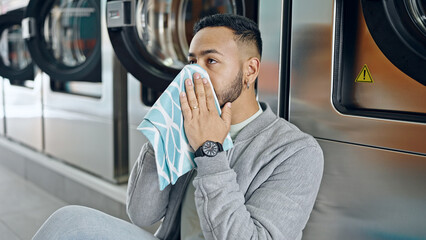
[(28, 28), (120, 13)]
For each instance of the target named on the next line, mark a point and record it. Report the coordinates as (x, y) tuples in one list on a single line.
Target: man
[(262, 188)]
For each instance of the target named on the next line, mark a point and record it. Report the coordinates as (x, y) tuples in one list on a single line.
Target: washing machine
[(356, 77), (67, 39), (151, 39), (1, 108), (22, 85)]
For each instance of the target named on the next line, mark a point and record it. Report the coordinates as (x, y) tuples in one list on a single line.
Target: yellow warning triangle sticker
[(364, 75)]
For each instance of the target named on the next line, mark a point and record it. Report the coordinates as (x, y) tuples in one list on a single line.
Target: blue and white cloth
[(163, 126)]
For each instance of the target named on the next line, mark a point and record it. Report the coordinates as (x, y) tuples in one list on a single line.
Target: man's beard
[(234, 91)]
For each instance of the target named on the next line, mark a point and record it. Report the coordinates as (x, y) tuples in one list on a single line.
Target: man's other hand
[(201, 118)]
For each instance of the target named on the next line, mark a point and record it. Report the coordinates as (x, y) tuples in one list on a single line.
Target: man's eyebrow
[(205, 52)]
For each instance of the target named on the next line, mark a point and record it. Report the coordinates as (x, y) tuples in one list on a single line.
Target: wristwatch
[(209, 149)]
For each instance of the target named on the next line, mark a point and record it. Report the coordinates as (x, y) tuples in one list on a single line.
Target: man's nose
[(203, 65)]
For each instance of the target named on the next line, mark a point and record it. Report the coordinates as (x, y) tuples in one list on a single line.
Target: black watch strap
[(220, 147), (200, 153)]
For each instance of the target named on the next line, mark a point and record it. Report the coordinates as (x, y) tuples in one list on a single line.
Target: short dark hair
[(245, 29)]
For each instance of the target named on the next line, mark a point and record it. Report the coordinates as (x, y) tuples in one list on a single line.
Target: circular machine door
[(399, 30), (151, 38), (15, 60), (64, 38)]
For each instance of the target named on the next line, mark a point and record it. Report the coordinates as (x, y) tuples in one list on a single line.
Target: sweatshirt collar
[(236, 128), (266, 118)]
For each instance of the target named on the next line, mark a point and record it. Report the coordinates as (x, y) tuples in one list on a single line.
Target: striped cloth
[(163, 126)]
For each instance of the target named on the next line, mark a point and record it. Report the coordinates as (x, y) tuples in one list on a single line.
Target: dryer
[(151, 39), (1, 108), (357, 84), (67, 39), (21, 81)]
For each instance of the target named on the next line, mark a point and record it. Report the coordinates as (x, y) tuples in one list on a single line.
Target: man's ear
[(252, 70)]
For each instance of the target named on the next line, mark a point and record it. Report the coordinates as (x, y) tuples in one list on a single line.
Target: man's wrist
[(209, 149)]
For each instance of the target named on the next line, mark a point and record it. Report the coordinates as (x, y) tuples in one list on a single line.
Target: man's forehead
[(213, 40)]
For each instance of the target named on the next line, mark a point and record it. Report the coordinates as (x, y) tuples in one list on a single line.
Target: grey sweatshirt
[(263, 188)]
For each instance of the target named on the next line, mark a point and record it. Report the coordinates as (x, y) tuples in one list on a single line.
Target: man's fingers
[(186, 110), (192, 99), (227, 114), (209, 96), (199, 91)]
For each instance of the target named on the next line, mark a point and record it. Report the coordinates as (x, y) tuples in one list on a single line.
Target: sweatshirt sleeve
[(278, 209), (146, 204)]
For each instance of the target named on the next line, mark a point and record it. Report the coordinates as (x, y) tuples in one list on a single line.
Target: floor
[(23, 206)]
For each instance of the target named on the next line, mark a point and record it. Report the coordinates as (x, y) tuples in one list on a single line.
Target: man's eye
[(191, 61), (211, 61)]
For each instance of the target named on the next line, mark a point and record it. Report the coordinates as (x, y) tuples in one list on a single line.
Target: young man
[(262, 188), (265, 186)]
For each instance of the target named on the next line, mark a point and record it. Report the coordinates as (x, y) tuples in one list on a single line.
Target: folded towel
[(163, 126)]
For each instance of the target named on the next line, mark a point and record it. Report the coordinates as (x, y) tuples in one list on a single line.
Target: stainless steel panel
[(270, 20), (375, 169), (1, 108), (83, 140), (79, 129), (136, 111), (369, 193), (23, 113), (311, 83)]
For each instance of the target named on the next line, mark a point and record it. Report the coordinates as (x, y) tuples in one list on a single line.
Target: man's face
[(215, 50)]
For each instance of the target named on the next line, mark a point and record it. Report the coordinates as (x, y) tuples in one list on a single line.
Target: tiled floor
[(23, 206)]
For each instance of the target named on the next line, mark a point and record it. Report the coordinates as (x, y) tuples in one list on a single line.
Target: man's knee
[(68, 213), (61, 220)]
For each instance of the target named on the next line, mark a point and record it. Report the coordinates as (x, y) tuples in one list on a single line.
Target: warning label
[(364, 75)]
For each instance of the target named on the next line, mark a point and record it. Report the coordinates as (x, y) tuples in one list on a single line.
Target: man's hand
[(201, 119)]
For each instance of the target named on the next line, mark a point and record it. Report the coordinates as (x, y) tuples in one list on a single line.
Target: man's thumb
[(227, 114)]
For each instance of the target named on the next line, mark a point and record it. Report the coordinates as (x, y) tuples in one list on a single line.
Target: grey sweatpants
[(77, 222)]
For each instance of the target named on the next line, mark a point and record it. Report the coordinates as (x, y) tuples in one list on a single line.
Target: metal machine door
[(1, 109), (68, 40), (16, 64), (22, 88), (63, 38), (357, 84)]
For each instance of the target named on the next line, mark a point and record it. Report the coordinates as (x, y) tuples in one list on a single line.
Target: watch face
[(210, 148)]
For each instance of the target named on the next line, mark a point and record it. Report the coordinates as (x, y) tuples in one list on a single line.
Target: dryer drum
[(20, 68), (65, 42), (399, 30)]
